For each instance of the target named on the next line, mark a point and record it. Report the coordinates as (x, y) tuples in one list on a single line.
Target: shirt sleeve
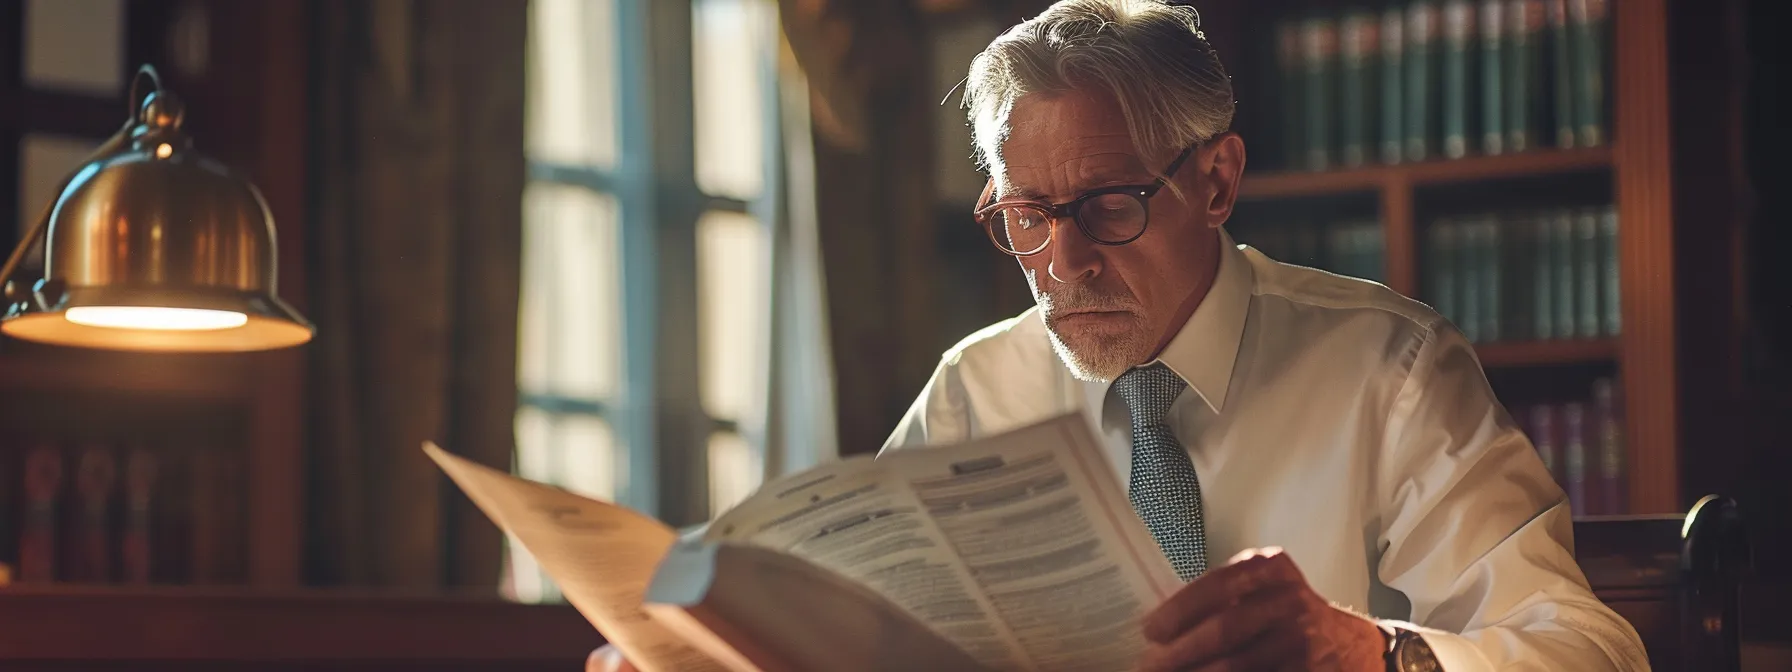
[(939, 414), (1478, 536)]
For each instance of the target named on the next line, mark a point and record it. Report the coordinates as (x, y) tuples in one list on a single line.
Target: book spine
[(137, 547), (1560, 73), (1275, 243), (1524, 58), (96, 478), (1339, 255), (1460, 97), (1611, 296), (1393, 84), (1589, 22), (1562, 253), (1492, 270), (11, 479), (1543, 437), (1291, 71), (1319, 50), (1587, 276), (1443, 270), (1306, 245), (1517, 240), (1469, 258), (43, 496), (1493, 127), (1613, 489), (1423, 71), (1375, 256), (1574, 455), (1543, 275), (1360, 48)]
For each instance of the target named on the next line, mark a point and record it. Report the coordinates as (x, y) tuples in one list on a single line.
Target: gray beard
[(1095, 358), (1100, 359)]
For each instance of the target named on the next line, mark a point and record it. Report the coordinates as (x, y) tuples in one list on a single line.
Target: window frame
[(656, 415)]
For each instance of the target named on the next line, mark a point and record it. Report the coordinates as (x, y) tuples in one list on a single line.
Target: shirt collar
[(1204, 351)]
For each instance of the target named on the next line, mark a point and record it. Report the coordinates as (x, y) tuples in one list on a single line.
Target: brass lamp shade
[(154, 247)]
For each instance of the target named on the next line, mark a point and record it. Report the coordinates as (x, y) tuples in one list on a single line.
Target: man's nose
[(1074, 258)]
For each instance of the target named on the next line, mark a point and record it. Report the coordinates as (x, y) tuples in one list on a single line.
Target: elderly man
[(1320, 458)]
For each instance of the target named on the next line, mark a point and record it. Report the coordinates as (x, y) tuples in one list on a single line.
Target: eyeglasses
[(1114, 215)]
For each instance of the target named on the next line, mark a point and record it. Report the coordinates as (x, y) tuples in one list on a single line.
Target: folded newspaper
[(1016, 551)]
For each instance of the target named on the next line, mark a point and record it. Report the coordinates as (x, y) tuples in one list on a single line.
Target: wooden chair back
[(1675, 578)]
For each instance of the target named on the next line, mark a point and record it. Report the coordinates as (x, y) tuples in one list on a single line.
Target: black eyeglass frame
[(1071, 209)]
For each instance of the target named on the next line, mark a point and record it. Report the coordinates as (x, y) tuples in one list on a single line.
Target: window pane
[(571, 80), (75, 45), (524, 579), (570, 321), (534, 444), (587, 457), (733, 471), (729, 44), (44, 160), (731, 307)]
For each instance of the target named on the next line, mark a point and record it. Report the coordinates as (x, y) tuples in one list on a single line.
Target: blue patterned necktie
[(1163, 486)]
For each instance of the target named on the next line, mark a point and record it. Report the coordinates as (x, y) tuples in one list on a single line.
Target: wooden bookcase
[(1632, 170), (239, 600)]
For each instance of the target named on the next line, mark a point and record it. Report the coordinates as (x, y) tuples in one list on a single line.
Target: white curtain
[(799, 415)]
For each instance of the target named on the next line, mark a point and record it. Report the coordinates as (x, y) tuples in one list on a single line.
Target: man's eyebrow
[(1018, 193), (1114, 175), (1093, 181)]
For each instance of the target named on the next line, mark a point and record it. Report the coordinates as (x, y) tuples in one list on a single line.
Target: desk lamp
[(151, 246)]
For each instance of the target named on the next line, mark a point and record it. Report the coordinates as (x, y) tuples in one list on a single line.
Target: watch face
[(1416, 656)]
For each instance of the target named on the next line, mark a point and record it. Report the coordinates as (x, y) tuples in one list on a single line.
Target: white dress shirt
[(1352, 427)]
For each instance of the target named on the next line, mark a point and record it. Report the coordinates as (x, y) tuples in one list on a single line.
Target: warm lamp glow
[(151, 247), (156, 318)]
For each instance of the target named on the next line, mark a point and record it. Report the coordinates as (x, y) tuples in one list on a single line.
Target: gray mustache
[(1079, 298)]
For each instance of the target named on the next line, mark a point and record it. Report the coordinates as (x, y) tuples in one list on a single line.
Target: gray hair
[(1149, 54)]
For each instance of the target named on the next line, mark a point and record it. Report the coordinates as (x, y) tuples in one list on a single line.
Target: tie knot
[(1148, 392)]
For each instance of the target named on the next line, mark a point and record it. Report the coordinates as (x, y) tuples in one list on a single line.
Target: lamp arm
[(18, 253), (36, 234), (112, 145)]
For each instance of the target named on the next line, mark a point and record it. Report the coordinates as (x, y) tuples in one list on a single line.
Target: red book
[(37, 536), (139, 521), (96, 476), (1574, 457), (1542, 429), (1608, 421)]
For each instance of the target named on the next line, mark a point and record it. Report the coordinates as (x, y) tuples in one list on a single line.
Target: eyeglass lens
[(1106, 218)]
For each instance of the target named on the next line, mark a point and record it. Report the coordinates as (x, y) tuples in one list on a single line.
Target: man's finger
[(1277, 649), (1227, 632), (1216, 590), (607, 658)]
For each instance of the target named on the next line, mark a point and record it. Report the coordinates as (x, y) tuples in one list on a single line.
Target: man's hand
[(1257, 613), (607, 658)]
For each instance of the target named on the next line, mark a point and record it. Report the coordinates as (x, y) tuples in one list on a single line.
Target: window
[(653, 176)]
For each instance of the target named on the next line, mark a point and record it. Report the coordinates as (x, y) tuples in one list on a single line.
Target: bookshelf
[(1623, 170), (1542, 353), (1379, 178)]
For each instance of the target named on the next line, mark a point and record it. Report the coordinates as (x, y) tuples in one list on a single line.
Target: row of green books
[(1352, 247), (1425, 79), (1525, 275)]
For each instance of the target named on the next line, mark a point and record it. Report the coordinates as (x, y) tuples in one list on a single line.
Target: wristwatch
[(1408, 652)]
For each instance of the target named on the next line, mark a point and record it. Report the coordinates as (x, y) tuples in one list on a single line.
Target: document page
[(601, 555), (1019, 548)]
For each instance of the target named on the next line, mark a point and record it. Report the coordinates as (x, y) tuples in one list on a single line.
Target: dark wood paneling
[(1641, 158)]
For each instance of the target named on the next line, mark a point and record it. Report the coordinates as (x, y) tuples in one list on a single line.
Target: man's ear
[(1221, 162)]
